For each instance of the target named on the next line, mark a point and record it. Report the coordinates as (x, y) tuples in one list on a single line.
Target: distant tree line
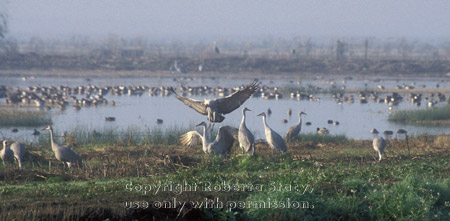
[(296, 48)]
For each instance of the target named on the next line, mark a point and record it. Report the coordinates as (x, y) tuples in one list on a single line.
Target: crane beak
[(200, 124), (261, 114)]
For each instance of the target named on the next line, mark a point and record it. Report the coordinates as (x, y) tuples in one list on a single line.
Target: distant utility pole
[(366, 48), (340, 49)]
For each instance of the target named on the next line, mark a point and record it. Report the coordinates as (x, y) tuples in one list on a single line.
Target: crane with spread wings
[(216, 108), (221, 145)]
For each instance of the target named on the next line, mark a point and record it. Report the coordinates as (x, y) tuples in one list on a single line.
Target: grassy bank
[(24, 118), (319, 180), (428, 116)]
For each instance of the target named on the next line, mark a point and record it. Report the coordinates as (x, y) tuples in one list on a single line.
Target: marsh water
[(141, 112)]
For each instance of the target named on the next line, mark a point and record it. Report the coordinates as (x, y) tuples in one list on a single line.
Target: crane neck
[(300, 119), (5, 147), (243, 118), (205, 138), (52, 138), (265, 123)]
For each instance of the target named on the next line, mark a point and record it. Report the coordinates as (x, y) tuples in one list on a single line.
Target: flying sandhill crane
[(221, 145), (63, 153), (378, 144), (6, 154), (245, 137), (19, 151), (216, 108), (274, 140), (294, 130)]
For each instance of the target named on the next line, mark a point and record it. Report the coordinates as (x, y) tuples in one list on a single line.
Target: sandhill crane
[(245, 137), (379, 144), (402, 131), (19, 151), (6, 153), (221, 145), (294, 130), (274, 140), (63, 153), (216, 108)]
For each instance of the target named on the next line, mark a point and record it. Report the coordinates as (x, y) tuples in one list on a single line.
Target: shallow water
[(141, 112)]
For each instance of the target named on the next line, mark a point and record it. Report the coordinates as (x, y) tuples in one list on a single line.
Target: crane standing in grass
[(63, 153), (295, 130), (19, 151), (274, 140), (221, 145), (378, 144), (245, 137), (6, 153)]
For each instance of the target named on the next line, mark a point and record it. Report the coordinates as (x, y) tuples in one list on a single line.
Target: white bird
[(379, 144), (19, 151), (216, 108), (63, 153), (295, 130), (221, 145), (245, 137), (274, 140), (6, 153)]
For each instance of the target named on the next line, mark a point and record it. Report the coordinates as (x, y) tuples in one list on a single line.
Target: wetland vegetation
[(24, 118), (330, 178), (321, 177), (434, 116)]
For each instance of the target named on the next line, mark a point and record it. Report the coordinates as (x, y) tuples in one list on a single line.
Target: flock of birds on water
[(214, 109), (47, 97)]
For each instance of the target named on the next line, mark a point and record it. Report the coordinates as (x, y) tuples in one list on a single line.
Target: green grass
[(417, 116), (323, 138), (117, 137), (24, 118), (329, 186)]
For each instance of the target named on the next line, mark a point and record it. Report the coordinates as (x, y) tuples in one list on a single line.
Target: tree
[(3, 19)]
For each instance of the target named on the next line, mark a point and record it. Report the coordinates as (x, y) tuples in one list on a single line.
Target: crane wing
[(18, 149), (227, 135), (69, 155), (292, 132), (191, 138), (197, 105), (233, 101)]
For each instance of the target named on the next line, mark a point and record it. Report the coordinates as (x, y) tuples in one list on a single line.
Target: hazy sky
[(229, 18)]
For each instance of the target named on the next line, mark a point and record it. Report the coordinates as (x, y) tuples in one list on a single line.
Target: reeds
[(422, 116), (131, 136), (24, 118)]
